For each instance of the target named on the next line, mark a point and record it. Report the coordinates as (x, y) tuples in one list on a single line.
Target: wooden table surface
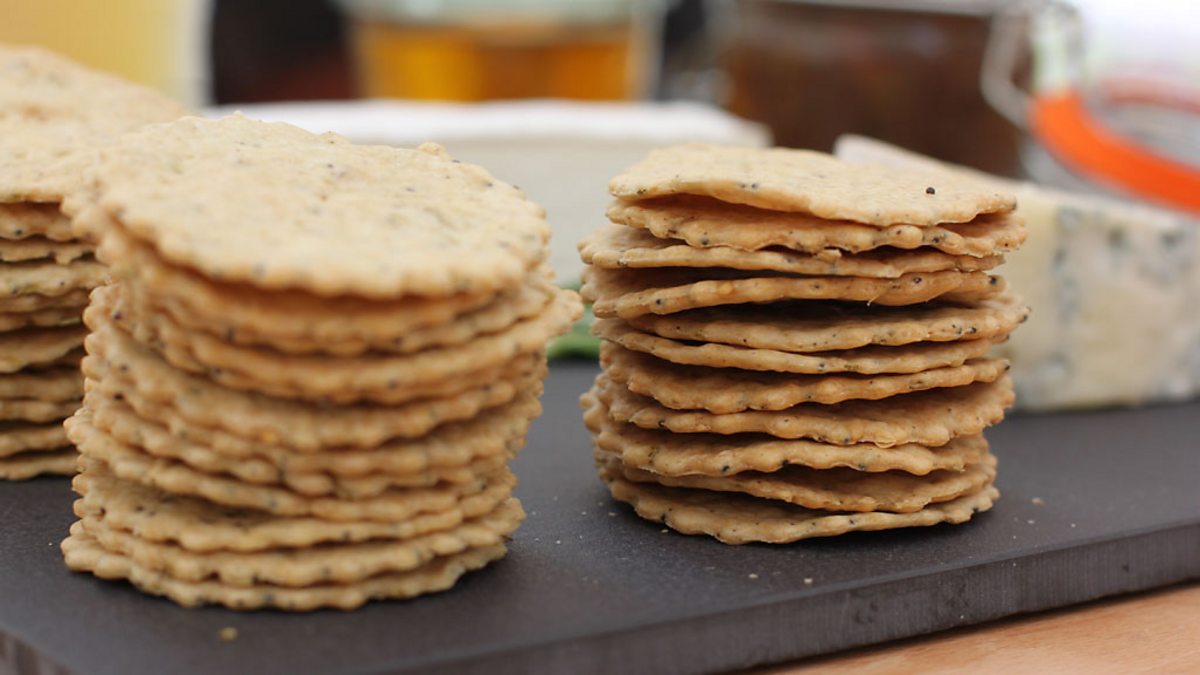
[(1156, 632)]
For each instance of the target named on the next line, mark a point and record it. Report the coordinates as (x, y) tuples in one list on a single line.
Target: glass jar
[(475, 50)]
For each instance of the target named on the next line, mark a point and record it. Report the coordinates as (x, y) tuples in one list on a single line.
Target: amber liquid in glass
[(499, 59)]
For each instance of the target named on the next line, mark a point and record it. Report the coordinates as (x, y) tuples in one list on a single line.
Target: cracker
[(202, 526), (53, 384), (833, 489), (932, 418), (42, 248), (873, 360), (28, 410), (83, 553), (821, 326), (633, 293), (703, 223), (618, 247), (34, 346), (726, 390), (115, 419), (22, 221), (160, 431), (738, 519), (49, 279), (41, 318), (18, 437), (433, 372), (132, 464), (56, 112), (243, 314), (501, 312), (813, 182), (37, 303), (375, 221), (298, 568), (713, 455), (121, 366), (34, 463)]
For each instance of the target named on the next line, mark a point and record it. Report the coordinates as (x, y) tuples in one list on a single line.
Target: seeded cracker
[(820, 327), (811, 182), (909, 358), (617, 247), (300, 425), (929, 418), (389, 379), (738, 519), (833, 489), (671, 454), (26, 465), (629, 293), (83, 553), (407, 221), (705, 223)]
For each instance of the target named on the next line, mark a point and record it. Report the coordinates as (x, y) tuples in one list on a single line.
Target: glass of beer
[(476, 50)]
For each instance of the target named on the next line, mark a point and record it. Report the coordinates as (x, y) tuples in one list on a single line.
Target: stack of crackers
[(317, 359), (797, 347), (53, 114)]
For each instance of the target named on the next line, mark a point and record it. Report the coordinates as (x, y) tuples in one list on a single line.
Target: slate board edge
[(765, 634)]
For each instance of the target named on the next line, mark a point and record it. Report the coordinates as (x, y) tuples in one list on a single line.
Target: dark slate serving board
[(588, 587)]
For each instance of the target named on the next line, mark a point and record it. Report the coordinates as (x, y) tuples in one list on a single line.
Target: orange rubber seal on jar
[(1063, 124)]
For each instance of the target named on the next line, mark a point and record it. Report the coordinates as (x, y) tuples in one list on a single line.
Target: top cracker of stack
[(797, 347), (316, 360), (53, 116)]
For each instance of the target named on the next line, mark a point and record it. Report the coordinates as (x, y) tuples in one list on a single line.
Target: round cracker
[(50, 279), (83, 553), (37, 346), (704, 223), (632, 293), (42, 248), (930, 418), (728, 390), (34, 463), (21, 221), (152, 426), (200, 525), (392, 379), (32, 302), (820, 327), (17, 437), (373, 221), (618, 247), (130, 463), (672, 454), (833, 489), (41, 318), (299, 568), (242, 314), (813, 182), (51, 384), (303, 426), (873, 360), (56, 113), (500, 313), (739, 519)]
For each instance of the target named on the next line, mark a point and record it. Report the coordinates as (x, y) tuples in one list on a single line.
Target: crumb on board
[(227, 634), (752, 575), (808, 581), (1038, 501)]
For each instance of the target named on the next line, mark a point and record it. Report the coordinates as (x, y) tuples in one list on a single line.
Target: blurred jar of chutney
[(476, 50), (904, 71)]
